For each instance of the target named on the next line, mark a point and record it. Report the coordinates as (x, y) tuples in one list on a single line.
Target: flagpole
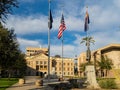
[(88, 43), (62, 27), (49, 46), (62, 47), (62, 55)]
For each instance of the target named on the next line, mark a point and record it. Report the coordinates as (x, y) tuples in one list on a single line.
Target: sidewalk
[(29, 85)]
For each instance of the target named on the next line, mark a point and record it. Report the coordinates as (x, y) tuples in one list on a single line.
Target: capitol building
[(37, 60)]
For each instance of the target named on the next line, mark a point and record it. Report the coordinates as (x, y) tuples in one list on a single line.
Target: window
[(37, 62), (41, 67), (71, 73), (71, 69), (45, 62), (68, 64), (37, 67), (55, 68), (45, 67), (68, 73), (64, 63), (41, 62), (60, 69), (59, 63)]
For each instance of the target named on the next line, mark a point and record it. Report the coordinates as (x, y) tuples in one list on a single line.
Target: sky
[(30, 22)]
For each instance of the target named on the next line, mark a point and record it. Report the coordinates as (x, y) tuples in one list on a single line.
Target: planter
[(21, 81), (39, 83), (61, 79)]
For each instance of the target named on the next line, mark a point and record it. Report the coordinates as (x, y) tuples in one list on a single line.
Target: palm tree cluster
[(105, 64)]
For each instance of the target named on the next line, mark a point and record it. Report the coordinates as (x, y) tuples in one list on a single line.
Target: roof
[(110, 46)]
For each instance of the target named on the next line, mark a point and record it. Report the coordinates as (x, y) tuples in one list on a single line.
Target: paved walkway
[(29, 85)]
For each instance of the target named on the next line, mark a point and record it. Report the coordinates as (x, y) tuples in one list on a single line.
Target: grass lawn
[(5, 82)]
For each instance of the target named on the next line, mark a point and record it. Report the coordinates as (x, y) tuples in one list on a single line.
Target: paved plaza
[(29, 85)]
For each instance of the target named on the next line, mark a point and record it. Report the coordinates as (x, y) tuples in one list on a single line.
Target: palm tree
[(105, 64), (88, 40)]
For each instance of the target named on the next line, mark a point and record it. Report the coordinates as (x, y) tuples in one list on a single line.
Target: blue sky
[(30, 22)]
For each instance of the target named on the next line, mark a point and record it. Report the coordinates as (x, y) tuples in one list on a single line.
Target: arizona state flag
[(87, 21), (50, 20)]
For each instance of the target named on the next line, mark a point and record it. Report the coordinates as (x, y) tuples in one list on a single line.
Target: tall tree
[(20, 65), (9, 49), (6, 8)]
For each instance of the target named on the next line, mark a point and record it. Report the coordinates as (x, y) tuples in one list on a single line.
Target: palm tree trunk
[(106, 72)]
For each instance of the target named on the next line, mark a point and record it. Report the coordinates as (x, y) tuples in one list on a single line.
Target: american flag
[(62, 27)]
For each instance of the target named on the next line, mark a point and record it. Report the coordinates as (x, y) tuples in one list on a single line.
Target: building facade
[(112, 52), (37, 63), (35, 50)]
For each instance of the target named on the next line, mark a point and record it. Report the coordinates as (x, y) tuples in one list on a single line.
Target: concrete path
[(29, 85)]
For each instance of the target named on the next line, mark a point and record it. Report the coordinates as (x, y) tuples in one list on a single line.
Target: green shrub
[(107, 84)]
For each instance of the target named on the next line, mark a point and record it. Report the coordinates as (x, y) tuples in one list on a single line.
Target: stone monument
[(91, 77)]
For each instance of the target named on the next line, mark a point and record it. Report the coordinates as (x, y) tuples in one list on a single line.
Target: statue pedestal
[(91, 77), (53, 70)]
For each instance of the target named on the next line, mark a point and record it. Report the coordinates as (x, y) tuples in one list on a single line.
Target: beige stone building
[(112, 51), (37, 62), (34, 50)]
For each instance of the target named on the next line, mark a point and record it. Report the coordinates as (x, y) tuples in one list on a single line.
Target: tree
[(6, 8), (105, 64), (57, 56), (21, 65), (9, 50), (87, 41)]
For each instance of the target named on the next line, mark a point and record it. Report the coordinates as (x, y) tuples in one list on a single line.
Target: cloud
[(68, 50), (117, 3), (28, 43), (28, 24), (39, 24), (104, 23), (102, 18)]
